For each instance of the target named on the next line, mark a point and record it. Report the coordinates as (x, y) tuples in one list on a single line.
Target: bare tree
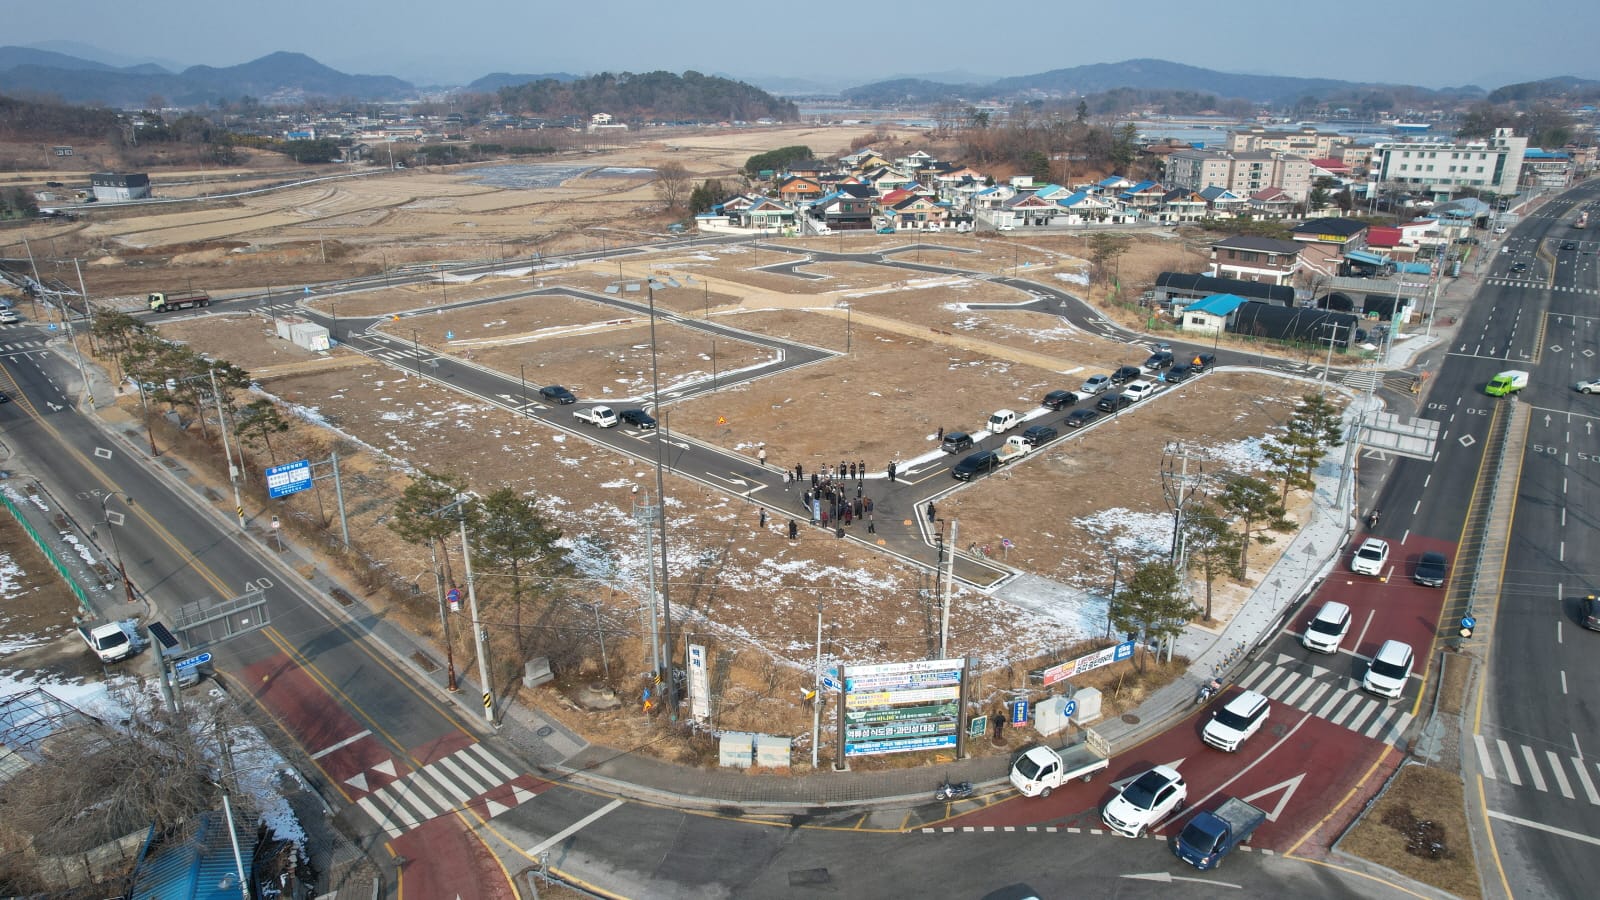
[(673, 185)]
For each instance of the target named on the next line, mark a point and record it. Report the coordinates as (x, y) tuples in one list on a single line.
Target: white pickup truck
[(598, 416), (1003, 420), (1040, 770), (110, 641)]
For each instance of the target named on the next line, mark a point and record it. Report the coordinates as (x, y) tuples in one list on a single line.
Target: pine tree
[(1150, 602)]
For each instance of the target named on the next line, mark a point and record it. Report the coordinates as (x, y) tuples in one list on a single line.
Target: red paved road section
[(445, 861), (1399, 608), (1297, 768), (318, 722)]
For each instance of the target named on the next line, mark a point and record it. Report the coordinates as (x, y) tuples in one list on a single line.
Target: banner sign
[(902, 707), (1112, 654)]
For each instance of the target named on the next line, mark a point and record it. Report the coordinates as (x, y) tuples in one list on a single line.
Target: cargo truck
[(1040, 770), (1210, 836), (109, 640), (175, 300), (1507, 382)]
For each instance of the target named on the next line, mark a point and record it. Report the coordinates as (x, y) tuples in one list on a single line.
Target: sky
[(1484, 42)]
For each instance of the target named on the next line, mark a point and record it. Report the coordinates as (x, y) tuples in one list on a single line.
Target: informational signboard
[(902, 707), (289, 478), (699, 684), (1112, 654)]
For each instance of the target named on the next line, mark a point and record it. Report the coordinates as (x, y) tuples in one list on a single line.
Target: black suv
[(1161, 359), (1039, 434), (555, 393), (1080, 417), (1112, 402), (956, 441), (638, 418), (1126, 374), (1058, 399), (980, 463), (1179, 372)]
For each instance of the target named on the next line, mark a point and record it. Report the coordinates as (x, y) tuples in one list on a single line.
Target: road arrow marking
[(1288, 788), (1168, 878)]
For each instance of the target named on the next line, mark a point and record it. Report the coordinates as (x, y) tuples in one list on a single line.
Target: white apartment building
[(1243, 173), (1307, 142), (1441, 168)]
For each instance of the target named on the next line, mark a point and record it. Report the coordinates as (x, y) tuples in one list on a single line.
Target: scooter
[(1372, 520), (1207, 691), (958, 791)]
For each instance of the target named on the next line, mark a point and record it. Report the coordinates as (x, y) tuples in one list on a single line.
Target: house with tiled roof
[(993, 196), (1025, 210), (765, 213), (1181, 205), (886, 179), (1081, 207), (916, 212), (914, 160), (1251, 258), (1224, 203), (1331, 166), (799, 190), (1144, 196), (807, 168), (849, 208), (1113, 184), (1272, 203)]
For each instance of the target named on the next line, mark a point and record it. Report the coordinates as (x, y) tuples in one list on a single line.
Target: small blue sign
[(1468, 622), (449, 335), (1070, 709), (192, 661), (1019, 712), (1124, 651), (289, 478), (830, 683), (454, 596)]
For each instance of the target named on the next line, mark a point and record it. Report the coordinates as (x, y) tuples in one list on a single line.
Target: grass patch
[(1453, 683), (1418, 827)]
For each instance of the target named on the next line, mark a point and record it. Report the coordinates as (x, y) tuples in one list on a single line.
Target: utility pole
[(227, 454), (477, 625), (1180, 488), (944, 596)]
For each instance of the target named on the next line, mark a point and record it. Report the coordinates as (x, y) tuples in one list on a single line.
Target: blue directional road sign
[(453, 596), (192, 661), (1070, 709), (289, 478)]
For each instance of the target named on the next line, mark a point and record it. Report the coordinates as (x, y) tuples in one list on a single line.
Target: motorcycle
[(947, 791), (1207, 691), (1372, 520)]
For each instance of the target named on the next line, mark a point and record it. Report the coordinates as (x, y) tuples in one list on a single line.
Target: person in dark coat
[(932, 512), (861, 469), (891, 470), (799, 471), (763, 518), (860, 507), (866, 504), (794, 529), (815, 479)]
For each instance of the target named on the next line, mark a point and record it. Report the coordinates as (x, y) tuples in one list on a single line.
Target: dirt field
[(36, 609), (1419, 829)]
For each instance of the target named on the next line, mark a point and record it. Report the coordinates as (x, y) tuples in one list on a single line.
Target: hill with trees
[(653, 96)]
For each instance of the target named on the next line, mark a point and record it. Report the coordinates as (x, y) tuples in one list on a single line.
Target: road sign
[(830, 682), (289, 478), (454, 597), (977, 726), (1070, 709), (192, 661), (1019, 712), (1468, 622)]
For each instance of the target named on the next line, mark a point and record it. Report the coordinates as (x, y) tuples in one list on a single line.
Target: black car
[(1518, 268), (1126, 374), (555, 393), (1179, 372), (1161, 359), (1080, 417), (980, 463), (4, 398), (1037, 435), (1201, 362), (956, 441), (1432, 568), (1589, 613), (638, 418), (1058, 399), (1112, 402), (1568, 245)]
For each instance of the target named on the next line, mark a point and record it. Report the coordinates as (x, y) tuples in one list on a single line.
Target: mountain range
[(286, 77)]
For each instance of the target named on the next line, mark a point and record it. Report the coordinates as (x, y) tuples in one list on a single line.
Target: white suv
[(1390, 668), (1146, 801), (1371, 557), (1327, 630), (1139, 390), (1234, 723)]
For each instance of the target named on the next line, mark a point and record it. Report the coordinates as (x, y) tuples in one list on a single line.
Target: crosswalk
[(1523, 765), (1363, 381), (1338, 699), (1539, 285), (443, 787)]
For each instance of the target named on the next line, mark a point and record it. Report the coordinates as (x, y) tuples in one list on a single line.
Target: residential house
[(1547, 168), (1025, 210), (1331, 167), (916, 212), (1325, 241), (1250, 258), (1144, 197), (1082, 207), (913, 161), (1223, 203), (993, 197), (848, 207), (1211, 315), (799, 190), (860, 159), (1181, 205), (808, 168), (765, 213), (886, 179), (1272, 203)]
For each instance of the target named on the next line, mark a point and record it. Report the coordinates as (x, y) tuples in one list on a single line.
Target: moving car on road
[(1370, 557), (557, 394), (1080, 417), (1507, 382), (1234, 723), (1432, 569), (1589, 612), (1391, 666), (9, 317), (1587, 387), (1328, 628), (638, 418), (1058, 400), (1146, 801)]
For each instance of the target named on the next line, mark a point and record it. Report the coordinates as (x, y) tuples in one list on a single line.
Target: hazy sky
[(1434, 44)]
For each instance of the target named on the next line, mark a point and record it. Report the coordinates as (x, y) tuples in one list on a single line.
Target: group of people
[(847, 471), (829, 502)]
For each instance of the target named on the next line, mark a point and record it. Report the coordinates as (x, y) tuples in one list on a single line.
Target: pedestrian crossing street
[(1539, 285), (1329, 696), (441, 788), (1502, 762)]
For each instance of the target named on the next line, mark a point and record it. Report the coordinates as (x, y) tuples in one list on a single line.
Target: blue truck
[(1210, 836)]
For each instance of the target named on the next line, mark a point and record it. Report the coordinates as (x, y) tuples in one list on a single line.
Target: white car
[(9, 317), (1231, 725), (1327, 630), (1583, 387), (1139, 390), (1370, 557), (1146, 801), (1097, 384), (1390, 668)]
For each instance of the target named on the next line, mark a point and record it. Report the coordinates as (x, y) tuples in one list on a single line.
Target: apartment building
[(1440, 168), (1307, 142), (1243, 172)]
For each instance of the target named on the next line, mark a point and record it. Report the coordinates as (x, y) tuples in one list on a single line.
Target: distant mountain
[(1138, 74), (494, 81), (111, 58), (1562, 87), (278, 76)]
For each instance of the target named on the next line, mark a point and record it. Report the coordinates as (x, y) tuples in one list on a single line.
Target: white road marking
[(1540, 826), (572, 829), (1560, 774), (1583, 779), (341, 745), (1511, 766), (1563, 681), (1485, 764), (1533, 768)]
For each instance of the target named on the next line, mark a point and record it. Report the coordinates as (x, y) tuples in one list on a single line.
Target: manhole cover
[(545, 731), (1130, 718)]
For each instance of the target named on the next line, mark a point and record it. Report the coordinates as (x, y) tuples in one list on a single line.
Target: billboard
[(902, 707), (1111, 654), (289, 478)]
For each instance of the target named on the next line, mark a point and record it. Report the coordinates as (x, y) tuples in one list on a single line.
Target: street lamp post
[(105, 517), (416, 350)]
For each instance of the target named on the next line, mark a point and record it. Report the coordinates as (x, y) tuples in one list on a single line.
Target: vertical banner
[(699, 686)]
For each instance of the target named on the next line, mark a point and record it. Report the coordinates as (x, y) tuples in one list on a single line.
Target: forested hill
[(654, 96)]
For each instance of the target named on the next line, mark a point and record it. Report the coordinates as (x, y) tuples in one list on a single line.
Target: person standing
[(763, 518), (932, 512), (852, 471), (939, 435), (891, 470), (761, 456), (794, 529), (866, 505), (861, 469), (799, 471)]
